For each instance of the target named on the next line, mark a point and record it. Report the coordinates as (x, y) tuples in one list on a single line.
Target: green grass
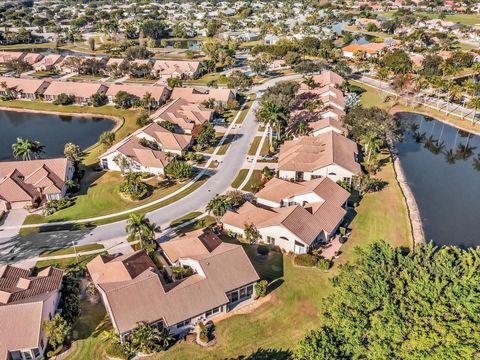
[(127, 119), (185, 218), (207, 221), (247, 107), (371, 97), (102, 197), (86, 78), (86, 332), (254, 147), (240, 177), (467, 19), (254, 182), (71, 250), (221, 80), (68, 262), (226, 144)]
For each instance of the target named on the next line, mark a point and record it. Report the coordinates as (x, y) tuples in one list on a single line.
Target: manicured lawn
[(371, 97), (85, 78), (87, 330), (207, 221), (254, 147), (254, 181), (101, 196), (467, 19), (247, 107), (185, 218), (67, 262), (226, 144), (126, 117), (240, 177), (71, 250), (221, 80)]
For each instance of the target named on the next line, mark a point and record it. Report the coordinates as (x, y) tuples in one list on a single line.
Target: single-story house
[(270, 39), (28, 89), (325, 125), (159, 94), (148, 149), (197, 95), (81, 91), (28, 183), (26, 301), (165, 69), (66, 67), (32, 58), (186, 116), (367, 50), (48, 62), (132, 288), (329, 154), (7, 56)]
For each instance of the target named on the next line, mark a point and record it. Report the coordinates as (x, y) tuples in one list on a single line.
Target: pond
[(359, 38), (52, 131), (442, 166)]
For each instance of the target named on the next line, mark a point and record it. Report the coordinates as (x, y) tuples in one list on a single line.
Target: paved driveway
[(14, 218)]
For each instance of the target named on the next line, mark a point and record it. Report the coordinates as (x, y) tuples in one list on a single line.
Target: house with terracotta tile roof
[(296, 217), (197, 95), (221, 278), (32, 58), (325, 78), (48, 62), (329, 154), (27, 89), (158, 93), (26, 301), (185, 115), (166, 69), (367, 50), (29, 183), (149, 149), (81, 91), (7, 56)]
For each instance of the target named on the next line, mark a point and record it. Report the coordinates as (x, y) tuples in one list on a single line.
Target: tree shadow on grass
[(265, 354)]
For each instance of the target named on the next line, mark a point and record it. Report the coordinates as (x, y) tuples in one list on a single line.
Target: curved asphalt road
[(19, 248)]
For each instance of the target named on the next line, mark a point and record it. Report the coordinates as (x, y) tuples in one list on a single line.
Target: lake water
[(53, 131), (442, 167)]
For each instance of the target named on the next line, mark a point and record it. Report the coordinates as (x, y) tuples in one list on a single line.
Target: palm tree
[(147, 101), (140, 228), (372, 145), (309, 81), (37, 149), (450, 156), (271, 114), (218, 206), (23, 149), (475, 104), (476, 163)]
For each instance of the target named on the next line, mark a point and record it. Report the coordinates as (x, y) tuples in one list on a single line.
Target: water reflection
[(442, 165)]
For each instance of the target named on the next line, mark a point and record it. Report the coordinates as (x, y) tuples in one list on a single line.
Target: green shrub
[(116, 351), (261, 288), (305, 260), (64, 99), (323, 264), (356, 89), (263, 249)]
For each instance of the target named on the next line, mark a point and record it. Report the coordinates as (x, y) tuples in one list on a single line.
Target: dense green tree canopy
[(395, 304)]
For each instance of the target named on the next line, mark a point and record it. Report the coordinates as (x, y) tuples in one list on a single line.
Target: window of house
[(243, 293), (249, 290), (36, 352), (27, 355), (104, 164), (42, 344), (212, 312), (233, 296), (270, 240), (183, 323)]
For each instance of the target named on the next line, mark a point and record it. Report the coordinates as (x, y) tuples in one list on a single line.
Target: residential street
[(18, 248)]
